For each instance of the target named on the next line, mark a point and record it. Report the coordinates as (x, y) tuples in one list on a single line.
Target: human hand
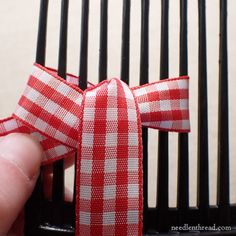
[(20, 159)]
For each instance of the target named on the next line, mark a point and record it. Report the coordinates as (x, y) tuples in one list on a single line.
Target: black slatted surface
[(83, 69), (125, 51), (42, 33), (203, 178), (56, 217), (103, 41), (163, 152), (223, 126), (144, 65), (183, 168)]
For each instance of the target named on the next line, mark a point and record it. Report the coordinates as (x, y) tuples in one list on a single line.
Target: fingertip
[(24, 151)]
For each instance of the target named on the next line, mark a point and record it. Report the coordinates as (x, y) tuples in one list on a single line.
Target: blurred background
[(18, 34)]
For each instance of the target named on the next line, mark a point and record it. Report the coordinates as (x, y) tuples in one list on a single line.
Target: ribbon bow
[(103, 124)]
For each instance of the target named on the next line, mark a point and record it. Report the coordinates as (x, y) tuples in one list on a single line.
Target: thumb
[(20, 158)]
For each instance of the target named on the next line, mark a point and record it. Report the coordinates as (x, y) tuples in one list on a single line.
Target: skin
[(20, 160), (18, 175)]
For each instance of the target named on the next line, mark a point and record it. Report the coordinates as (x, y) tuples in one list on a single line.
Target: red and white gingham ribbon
[(103, 124)]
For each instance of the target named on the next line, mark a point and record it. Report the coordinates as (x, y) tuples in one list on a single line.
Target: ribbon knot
[(103, 124)]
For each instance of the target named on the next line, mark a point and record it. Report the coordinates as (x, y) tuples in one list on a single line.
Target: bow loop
[(51, 106), (164, 104)]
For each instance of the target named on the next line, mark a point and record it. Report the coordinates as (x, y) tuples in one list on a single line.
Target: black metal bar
[(33, 207), (162, 180), (144, 77), (125, 42), (183, 155), (103, 41), (84, 45), (62, 59), (58, 167), (223, 135), (42, 32), (203, 172)]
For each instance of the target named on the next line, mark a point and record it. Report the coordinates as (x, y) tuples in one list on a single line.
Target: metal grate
[(56, 217)]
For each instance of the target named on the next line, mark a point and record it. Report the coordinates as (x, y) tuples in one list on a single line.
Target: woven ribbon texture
[(103, 125)]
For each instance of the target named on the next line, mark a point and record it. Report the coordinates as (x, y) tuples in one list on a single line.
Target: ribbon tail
[(109, 170)]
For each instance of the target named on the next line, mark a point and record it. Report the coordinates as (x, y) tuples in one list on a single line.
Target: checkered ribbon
[(103, 125)]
